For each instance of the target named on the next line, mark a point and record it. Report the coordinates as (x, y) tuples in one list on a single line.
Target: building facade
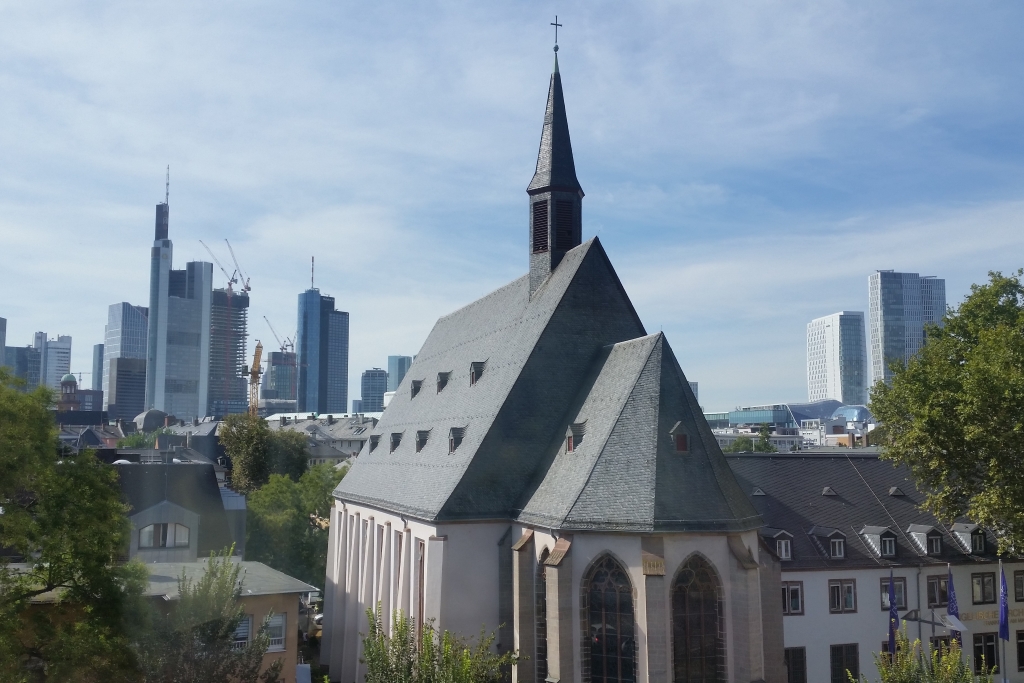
[(178, 338), (397, 367), (279, 381), (3, 341), (900, 306), (54, 359), (24, 362), (229, 318), (97, 368), (125, 396), (837, 363), (125, 336), (374, 384), (321, 350)]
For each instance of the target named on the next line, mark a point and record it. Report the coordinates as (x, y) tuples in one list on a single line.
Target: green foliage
[(764, 444), (141, 439), (955, 413), (943, 665), (194, 641), (289, 453), (65, 514), (440, 658), (246, 441), (284, 526), (742, 444)]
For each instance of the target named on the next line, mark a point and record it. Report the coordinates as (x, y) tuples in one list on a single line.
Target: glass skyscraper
[(397, 367), (125, 336), (837, 358), (374, 384), (321, 350), (900, 305)]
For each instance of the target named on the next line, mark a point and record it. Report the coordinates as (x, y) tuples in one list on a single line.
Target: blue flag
[(894, 616), (952, 609), (1004, 606)]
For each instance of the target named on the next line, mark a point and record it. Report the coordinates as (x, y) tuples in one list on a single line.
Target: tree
[(141, 439), (742, 444), (194, 641), (436, 658), (285, 527), (764, 444), (289, 453), (954, 414), (62, 513), (246, 440), (942, 665)]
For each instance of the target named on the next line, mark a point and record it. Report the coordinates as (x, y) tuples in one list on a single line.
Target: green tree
[(940, 665), (141, 439), (246, 441), (194, 641), (63, 513), (742, 444), (289, 453), (436, 658), (764, 444), (954, 415), (286, 525)]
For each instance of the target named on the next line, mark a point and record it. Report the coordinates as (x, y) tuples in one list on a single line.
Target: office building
[(96, 379), (374, 384), (54, 358), (837, 358), (900, 306), (279, 377), (3, 340), (124, 336), (229, 392), (125, 395), (321, 355), (24, 362), (397, 367), (357, 406), (178, 338)]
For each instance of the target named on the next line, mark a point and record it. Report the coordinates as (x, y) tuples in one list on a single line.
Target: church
[(544, 472)]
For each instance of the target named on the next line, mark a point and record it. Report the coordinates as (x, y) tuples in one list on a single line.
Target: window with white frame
[(243, 632), (837, 548), (888, 546), (276, 631), (899, 589), (935, 544), (784, 549), (164, 536), (792, 597), (842, 596)]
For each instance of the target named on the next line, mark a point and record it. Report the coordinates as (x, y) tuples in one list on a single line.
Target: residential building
[(229, 389), (374, 384), (178, 338), (837, 363), (839, 524), (397, 367), (125, 395), (900, 306), (545, 473), (24, 362), (96, 378), (125, 336), (54, 359), (332, 439), (321, 355)]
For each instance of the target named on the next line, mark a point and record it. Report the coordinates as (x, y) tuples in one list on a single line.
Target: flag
[(951, 607), (894, 616), (1004, 606)]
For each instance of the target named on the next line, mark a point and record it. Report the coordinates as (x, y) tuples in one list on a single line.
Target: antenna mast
[(167, 187), (312, 270)]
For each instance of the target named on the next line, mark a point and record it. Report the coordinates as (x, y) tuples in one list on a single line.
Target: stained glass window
[(698, 626), (610, 621)]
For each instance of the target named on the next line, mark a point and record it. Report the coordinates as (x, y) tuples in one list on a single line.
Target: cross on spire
[(556, 25)]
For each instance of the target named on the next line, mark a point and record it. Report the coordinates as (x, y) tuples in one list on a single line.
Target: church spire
[(556, 197)]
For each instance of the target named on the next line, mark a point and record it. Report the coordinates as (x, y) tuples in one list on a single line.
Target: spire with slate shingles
[(555, 193)]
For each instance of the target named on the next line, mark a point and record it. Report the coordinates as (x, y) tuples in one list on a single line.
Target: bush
[(945, 665)]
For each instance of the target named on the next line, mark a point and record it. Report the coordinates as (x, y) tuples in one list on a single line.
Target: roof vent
[(396, 440), (896, 491), (442, 380), (757, 491), (374, 440), (421, 439), (415, 387), (476, 371), (828, 491), (455, 437)]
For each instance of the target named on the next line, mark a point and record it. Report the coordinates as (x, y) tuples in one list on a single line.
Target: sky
[(747, 165)]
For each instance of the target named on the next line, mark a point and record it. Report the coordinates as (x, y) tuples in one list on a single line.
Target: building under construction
[(279, 382), (229, 318)]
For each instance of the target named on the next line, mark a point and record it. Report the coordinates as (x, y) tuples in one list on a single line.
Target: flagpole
[(1003, 620)]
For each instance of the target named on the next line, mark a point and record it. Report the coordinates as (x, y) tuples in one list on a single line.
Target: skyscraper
[(397, 367), (54, 358), (178, 340), (3, 340), (124, 336), (96, 381), (279, 380), (374, 384), (126, 388), (837, 358), (24, 362), (229, 316), (321, 353), (900, 305)]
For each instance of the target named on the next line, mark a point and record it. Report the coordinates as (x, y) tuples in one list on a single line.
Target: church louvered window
[(539, 238), (698, 625), (563, 225), (610, 647)]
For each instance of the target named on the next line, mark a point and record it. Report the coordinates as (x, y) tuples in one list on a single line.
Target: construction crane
[(241, 273), (254, 381), (231, 278), (285, 345)]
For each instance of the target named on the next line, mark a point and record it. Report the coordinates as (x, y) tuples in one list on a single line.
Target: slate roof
[(793, 501), (550, 359), (556, 169)]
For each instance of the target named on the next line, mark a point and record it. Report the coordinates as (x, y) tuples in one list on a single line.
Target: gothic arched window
[(610, 649), (541, 605), (698, 624)]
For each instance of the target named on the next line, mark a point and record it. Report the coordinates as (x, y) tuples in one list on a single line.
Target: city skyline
[(719, 208)]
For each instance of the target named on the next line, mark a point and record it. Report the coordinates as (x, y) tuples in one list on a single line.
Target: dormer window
[(978, 542), (455, 437), (837, 548), (784, 549), (574, 436), (442, 380), (476, 371), (396, 440), (934, 544), (888, 546), (680, 439), (414, 387), (164, 536), (421, 440), (374, 440)]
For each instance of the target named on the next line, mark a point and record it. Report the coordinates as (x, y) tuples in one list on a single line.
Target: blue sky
[(747, 165)]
